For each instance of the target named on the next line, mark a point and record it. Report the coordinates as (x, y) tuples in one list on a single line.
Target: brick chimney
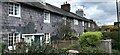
[(80, 12), (66, 6)]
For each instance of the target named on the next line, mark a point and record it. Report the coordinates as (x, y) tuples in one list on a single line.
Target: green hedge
[(89, 42), (0, 45), (90, 39), (70, 47), (92, 50)]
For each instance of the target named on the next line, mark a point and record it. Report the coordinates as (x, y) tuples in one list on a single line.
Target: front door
[(37, 39)]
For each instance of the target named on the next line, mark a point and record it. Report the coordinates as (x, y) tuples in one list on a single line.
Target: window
[(64, 19), (77, 34), (46, 17), (47, 37), (83, 23), (13, 38), (14, 9), (88, 24), (10, 40), (75, 22)]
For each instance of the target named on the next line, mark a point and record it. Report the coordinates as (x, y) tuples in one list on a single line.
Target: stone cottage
[(36, 20)]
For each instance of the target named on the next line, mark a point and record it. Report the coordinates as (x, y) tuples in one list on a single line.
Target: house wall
[(0, 21), (31, 21), (4, 22), (92, 25), (79, 29)]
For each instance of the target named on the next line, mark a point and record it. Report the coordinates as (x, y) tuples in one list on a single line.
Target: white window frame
[(78, 34), (75, 22), (88, 24), (47, 38), (13, 47), (83, 23), (33, 36), (65, 20), (19, 10), (41, 39), (93, 25), (48, 19)]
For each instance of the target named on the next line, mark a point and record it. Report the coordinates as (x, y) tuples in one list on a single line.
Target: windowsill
[(47, 42), (46, 21), (18, 16)]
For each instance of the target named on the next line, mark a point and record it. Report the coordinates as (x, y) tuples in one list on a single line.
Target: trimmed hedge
[(90, 39), (89, 42)]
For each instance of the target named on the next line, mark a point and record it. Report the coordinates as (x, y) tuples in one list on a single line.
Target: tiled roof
[(63, 12), (54, 9)]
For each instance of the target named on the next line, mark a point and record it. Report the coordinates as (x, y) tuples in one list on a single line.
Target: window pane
[(47, 37), (11, 8), (16, 9), (64, 19), (75, 22), (88, 24), (83, 23), (10, 40), (46, 16)]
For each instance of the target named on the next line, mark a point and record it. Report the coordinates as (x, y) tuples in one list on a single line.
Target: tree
[(66, 29)]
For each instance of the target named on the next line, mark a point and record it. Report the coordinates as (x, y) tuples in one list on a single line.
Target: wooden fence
[(105, 44), (64, 44)]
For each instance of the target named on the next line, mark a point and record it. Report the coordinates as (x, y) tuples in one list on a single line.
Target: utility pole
[(118, 20)]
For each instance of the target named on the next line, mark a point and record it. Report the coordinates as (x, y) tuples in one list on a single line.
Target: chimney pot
[(80, 12)]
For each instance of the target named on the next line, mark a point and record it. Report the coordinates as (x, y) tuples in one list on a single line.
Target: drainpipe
[(118, 20)]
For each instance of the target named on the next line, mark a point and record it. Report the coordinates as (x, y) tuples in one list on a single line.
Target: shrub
[(90, 39), (34, 48), (4, 48), (0, 47), (92, 50), (89, 42), (115, 51), (70, 47), (71, 36), (73, 47), (64, 50)]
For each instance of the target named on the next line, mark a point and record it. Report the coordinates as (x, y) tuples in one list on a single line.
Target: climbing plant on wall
[(66, 29)]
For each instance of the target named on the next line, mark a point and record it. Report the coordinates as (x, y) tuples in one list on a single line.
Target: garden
[(87, 43)]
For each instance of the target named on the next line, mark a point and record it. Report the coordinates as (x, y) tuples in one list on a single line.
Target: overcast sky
[(102, 11)]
